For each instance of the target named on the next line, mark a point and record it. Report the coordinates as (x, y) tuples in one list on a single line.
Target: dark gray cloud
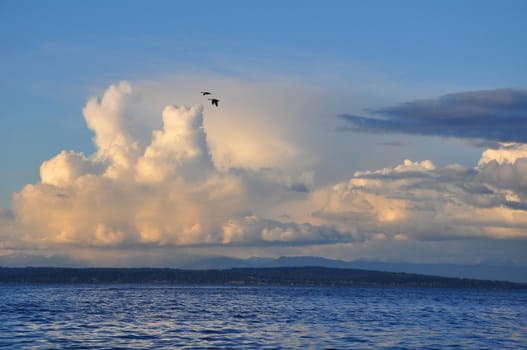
[(392, 143), (7, 214), (299, 187), (497, 115)]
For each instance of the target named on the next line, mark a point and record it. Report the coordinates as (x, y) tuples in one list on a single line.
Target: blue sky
[(309, 62), (55, 53)]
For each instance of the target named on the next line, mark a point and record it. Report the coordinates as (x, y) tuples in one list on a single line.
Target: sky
[(379, 130)]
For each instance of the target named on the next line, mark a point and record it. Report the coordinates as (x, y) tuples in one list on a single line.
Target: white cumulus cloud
[(416, 200), (164, 191)]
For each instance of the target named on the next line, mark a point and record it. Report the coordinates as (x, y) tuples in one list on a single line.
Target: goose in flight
[(214, 101), (205, 93)]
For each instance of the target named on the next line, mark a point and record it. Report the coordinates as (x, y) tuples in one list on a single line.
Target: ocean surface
[(200, 317)]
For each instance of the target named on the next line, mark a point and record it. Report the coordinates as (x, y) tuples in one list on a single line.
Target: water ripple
[(167, 317)]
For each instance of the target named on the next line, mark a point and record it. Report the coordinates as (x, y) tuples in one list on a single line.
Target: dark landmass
[(317, 276), (480, 271), (504, 271)]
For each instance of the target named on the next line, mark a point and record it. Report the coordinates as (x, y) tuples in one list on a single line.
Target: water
[(186, 317)]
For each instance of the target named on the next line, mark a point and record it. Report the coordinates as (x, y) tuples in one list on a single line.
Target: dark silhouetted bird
[(214, 101), (205, 93)]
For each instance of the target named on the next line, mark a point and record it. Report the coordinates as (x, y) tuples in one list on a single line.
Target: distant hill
[(504, 272), (478, 271), (319, 276), (284, 261)]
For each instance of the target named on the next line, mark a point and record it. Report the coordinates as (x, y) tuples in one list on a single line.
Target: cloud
[(254, 229), (159, 181), (7, 222), (255, 125), (391, 143), (113, 138), (67, 166), (166, 191), (506, 168), (180, 148), (416, 200), (495, 115)]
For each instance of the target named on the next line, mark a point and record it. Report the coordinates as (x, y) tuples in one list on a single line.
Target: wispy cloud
[(497, 115)]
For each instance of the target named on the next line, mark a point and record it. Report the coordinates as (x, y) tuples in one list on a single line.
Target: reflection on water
[(140, 317)]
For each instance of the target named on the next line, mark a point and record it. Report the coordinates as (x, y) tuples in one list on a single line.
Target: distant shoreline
[(285, 276)]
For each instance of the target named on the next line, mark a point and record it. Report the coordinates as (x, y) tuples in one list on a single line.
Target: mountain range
[(478, 271), (486, 271)]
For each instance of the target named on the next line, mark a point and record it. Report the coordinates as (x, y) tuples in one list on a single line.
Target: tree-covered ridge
[(319, 276)]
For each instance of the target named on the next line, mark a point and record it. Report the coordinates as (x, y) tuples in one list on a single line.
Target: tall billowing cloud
[(166, 191), (113, 139), (497, 115), (180, 149)]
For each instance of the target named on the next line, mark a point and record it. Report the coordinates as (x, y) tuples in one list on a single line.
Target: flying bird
[(205, 93), (214, 101)]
